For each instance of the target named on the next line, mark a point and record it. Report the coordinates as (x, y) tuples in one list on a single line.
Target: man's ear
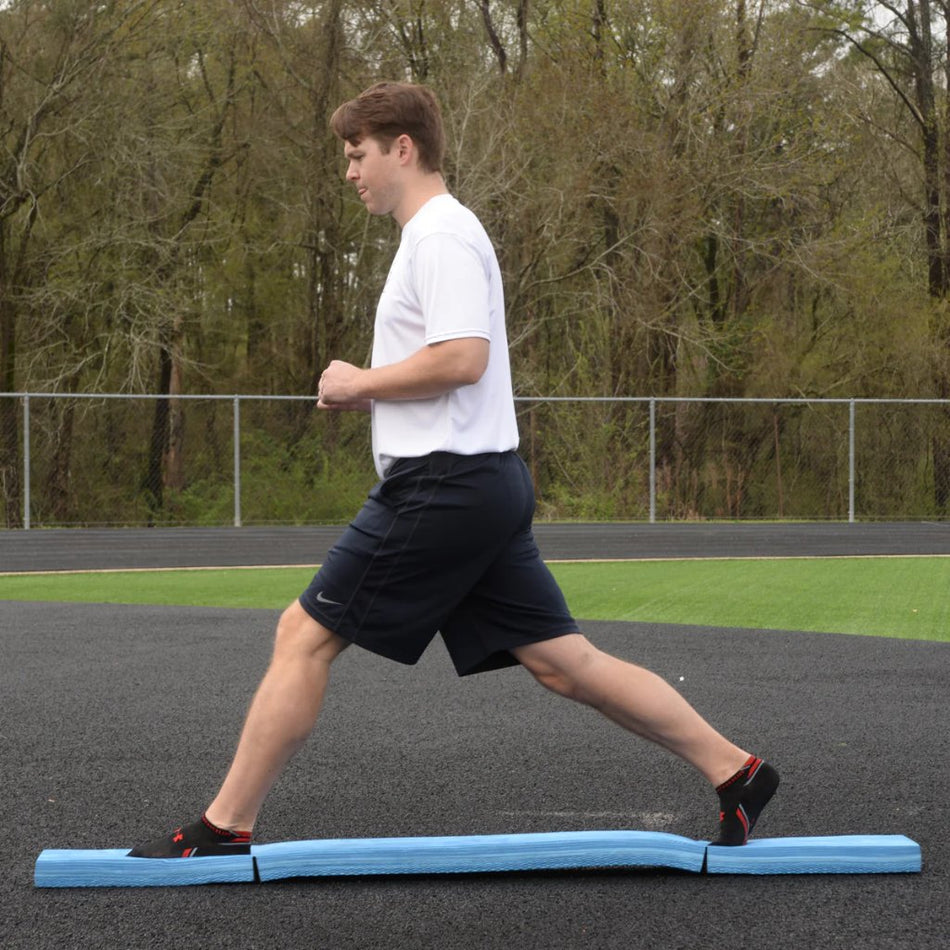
[(405, 148)]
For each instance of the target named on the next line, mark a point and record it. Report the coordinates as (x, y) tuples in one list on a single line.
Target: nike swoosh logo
[(326, 600)]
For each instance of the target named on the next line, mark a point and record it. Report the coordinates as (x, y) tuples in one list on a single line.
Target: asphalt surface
[(124, 548), (118, 722)]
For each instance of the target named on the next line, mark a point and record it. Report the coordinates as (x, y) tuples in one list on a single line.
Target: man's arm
[(430, 371)]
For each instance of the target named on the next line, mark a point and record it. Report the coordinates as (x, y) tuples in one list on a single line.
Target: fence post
[(851, 462), (652, 459), (237, 461), (26, 462)]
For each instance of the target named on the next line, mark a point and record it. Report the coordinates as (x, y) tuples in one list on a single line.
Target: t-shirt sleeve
[(452, 284)]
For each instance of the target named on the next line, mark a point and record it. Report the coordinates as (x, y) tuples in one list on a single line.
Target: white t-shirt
[(444, 284)]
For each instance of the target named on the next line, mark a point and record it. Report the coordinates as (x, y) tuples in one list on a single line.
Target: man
[(443, 542)]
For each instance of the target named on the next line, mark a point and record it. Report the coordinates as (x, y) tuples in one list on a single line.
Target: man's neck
[(426, 187)]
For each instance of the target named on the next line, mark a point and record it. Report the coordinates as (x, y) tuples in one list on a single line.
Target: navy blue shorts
[(443, 544)]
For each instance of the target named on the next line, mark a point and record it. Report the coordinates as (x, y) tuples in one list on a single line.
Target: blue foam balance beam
[(844, 854), (861, 854), (479, 853), (114, 868)]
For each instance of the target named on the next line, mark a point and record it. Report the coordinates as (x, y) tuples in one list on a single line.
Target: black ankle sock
[(742, 798), (199, 839)]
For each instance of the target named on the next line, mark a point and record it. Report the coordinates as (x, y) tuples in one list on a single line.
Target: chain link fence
[(93, 459)]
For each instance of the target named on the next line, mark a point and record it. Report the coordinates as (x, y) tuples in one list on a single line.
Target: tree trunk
[(175, 448), (153, 482), (9, 417), (58, 479), (324, 298)]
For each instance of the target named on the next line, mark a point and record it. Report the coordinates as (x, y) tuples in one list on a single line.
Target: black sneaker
[(198, 840), (742, 799)]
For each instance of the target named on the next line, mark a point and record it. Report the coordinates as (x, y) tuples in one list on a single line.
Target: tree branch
[(493, 38)]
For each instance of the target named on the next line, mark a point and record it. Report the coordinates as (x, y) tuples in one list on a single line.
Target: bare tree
[(900, 44), (51, 55)]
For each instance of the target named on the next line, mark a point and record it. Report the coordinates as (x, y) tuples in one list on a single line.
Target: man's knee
[(300, 636), (560, 665)]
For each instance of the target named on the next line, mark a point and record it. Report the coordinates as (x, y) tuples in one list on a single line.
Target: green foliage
[(300, 482)]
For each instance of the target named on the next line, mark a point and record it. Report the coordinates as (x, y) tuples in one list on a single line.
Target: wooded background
[(688, 198)]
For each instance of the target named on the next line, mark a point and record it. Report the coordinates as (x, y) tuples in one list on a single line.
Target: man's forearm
[(429, 372)]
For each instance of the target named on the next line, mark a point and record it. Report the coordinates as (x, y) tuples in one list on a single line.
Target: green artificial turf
[(893, 597)]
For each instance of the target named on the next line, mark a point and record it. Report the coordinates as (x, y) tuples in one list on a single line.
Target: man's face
[(375, 174)]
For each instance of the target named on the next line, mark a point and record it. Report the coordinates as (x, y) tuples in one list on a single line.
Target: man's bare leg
[(645, 704), (634, 698), (281, 717)]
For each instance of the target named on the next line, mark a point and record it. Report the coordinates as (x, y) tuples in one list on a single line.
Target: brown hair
[(390, 109)]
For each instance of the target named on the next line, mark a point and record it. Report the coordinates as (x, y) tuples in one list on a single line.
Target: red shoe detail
[(744, 821)]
